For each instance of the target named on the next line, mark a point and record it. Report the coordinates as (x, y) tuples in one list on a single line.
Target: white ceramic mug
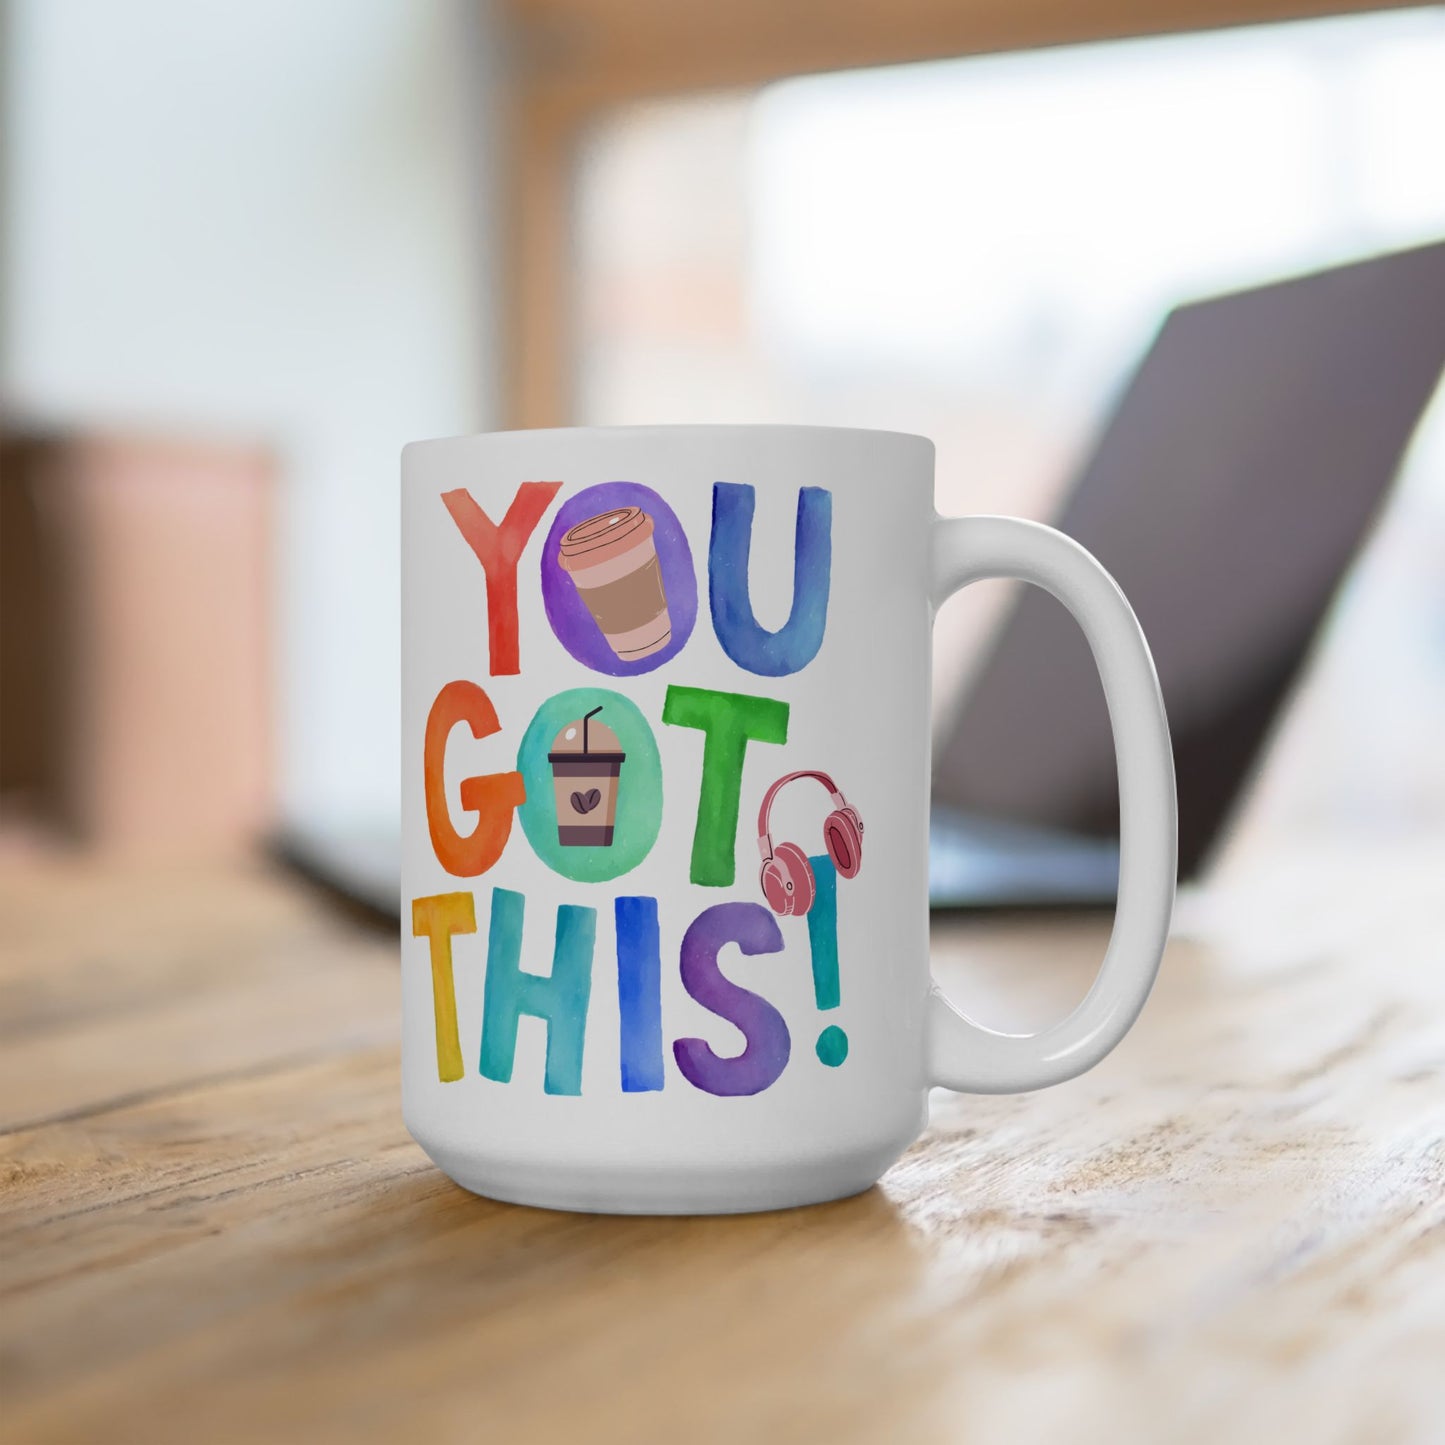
[(645, 968)]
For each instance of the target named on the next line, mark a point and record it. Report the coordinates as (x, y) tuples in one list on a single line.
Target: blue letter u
[(795, 644)]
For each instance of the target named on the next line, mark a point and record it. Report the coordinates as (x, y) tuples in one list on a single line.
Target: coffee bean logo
[(585, 802)]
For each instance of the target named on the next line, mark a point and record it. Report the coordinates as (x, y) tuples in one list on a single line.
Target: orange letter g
[(493, 797)]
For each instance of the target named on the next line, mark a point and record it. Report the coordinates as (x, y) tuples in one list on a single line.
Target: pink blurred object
[(136, 706)]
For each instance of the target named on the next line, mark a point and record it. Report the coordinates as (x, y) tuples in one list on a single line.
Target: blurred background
[(247, 251)]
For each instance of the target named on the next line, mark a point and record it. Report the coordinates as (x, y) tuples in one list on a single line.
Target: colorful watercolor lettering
[(639, 993), (728, 721), (637, 787), (560, 998), (437, 919), (492, 797), (499, 549), (795, 644), (765, 1054), (658, 565), (619, 591), (832, 1045)]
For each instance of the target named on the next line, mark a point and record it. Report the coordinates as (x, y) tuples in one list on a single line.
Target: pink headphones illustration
[(787, 876)]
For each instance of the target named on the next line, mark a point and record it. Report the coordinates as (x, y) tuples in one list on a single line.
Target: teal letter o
[(639, 787)]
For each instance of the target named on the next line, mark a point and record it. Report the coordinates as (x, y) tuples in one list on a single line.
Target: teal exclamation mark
[(832, 1043)]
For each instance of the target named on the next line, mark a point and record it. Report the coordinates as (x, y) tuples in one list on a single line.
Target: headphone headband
[(772, 792)]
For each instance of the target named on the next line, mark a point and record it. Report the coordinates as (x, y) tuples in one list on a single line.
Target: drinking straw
[(585, 716)]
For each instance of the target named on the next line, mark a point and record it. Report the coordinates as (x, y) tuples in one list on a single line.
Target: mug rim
[(670, 429)]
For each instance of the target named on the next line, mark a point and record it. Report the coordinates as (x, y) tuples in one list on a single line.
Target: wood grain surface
[(214, 1227)]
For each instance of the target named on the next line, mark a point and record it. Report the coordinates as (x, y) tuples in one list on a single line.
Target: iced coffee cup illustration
[(612, 560), (586, 760)]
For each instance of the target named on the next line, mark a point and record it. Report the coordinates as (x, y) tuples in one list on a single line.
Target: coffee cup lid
[(603, 536), (586, 736)]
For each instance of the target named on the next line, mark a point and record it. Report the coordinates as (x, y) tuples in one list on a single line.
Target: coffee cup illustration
[(612, 560), (586, 760)]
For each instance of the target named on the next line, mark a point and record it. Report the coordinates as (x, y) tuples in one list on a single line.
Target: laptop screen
[(1227, 495)]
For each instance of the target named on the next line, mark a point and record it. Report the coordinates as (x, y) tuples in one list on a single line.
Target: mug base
[(746, 1189)]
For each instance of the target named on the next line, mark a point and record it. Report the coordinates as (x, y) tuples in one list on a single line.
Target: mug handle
[(963, 1054)]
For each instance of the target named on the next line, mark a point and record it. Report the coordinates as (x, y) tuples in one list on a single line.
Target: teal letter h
[(560, 998)]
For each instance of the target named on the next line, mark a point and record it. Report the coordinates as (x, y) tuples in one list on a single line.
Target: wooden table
[(215, 1228)]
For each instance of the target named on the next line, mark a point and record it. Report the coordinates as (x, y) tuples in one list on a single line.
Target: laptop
[(1227, 494)]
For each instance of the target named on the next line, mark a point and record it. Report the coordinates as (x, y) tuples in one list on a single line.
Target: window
[(979, 249)]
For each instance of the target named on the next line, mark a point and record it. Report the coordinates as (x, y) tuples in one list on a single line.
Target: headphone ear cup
[(787, 880), (774, 889), (843, 838)]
